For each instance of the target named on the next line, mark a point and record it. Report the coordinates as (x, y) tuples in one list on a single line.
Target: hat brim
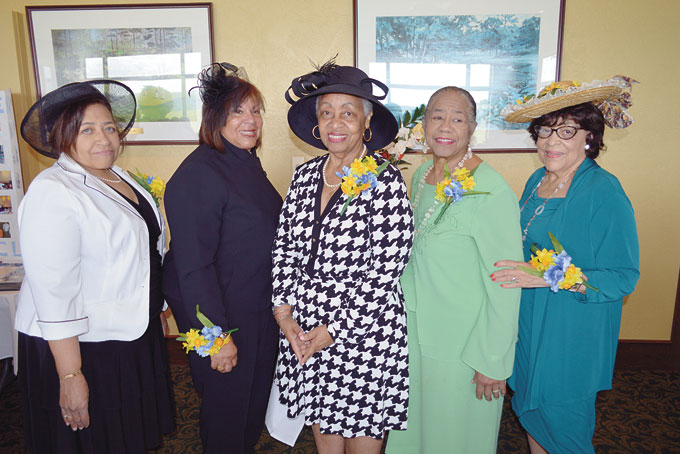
[(39, 120), (542, 106), (302, 118)]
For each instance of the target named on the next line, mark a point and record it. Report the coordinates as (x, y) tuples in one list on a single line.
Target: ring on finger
[(513, 279)]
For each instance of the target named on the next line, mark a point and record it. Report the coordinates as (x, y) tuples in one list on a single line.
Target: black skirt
[(131, 403)]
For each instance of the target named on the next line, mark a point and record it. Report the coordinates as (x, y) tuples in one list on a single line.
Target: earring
[(469, 149), (370, 135), (317, 128), (587, 147)]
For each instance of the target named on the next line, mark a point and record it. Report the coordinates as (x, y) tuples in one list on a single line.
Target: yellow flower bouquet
[(208, 341), (360, 176), (454, 187), (154, 185), (555, 267)]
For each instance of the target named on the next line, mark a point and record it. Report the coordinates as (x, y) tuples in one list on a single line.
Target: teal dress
[(567, 341), (458, 320)]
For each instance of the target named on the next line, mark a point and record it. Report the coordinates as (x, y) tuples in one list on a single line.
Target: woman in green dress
[(462, 327)]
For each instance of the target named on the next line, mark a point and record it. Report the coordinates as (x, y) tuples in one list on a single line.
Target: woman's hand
[(514, 277), (487, 387), (315, 341), (292, 331), (226, 359), (74, 395)]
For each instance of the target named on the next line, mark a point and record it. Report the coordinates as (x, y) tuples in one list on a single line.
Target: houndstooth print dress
[(343, 271)]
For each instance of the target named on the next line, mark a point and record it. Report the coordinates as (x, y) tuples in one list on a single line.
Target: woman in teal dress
[(568, 337), (462, 328)]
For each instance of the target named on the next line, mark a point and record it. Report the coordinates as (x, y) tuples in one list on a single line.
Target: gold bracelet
[(67, 376)]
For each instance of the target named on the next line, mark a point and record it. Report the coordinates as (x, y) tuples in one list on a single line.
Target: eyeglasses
[(563, 132)]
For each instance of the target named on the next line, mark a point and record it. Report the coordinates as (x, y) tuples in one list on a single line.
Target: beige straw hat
[(610, 96)]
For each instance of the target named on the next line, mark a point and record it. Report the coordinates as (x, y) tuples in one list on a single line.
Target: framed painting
[(499, 51), (155, 49)]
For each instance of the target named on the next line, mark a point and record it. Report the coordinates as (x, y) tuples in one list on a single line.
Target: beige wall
[(274, 40)]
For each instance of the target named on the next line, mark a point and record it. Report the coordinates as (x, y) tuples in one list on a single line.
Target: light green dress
[(459, 320)]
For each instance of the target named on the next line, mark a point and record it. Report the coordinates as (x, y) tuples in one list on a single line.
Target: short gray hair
[(368, 105), (466, 94)]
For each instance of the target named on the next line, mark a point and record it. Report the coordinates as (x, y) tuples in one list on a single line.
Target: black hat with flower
[(332, 78), (37, 125)]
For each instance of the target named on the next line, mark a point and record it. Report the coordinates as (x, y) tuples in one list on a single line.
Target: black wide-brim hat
[(37, 125), (349, 80)]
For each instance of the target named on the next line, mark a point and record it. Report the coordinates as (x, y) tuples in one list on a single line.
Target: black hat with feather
[(331, 78), (217, 80)]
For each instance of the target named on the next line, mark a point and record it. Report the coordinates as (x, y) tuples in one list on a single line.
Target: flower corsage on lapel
[(360, 176), (208, 341), (555, 267), (154, 185), (454, 187)]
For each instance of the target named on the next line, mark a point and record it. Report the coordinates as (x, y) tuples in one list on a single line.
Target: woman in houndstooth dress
[(336, 278)]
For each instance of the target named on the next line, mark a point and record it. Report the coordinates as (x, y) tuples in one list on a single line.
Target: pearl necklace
[(540, 209), (107, 179), (421, 183), (325, 164)]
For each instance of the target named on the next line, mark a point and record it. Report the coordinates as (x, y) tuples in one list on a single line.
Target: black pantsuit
[(222, 212)]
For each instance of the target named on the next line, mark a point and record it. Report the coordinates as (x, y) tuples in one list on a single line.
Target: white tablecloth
[(8, 336)]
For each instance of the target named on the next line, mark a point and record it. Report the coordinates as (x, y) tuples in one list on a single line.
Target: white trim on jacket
[(86, 256)]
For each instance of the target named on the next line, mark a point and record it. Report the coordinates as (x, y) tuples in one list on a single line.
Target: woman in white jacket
[(92, 359)]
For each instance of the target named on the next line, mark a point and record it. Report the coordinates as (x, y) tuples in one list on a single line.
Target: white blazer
[(86, 257)]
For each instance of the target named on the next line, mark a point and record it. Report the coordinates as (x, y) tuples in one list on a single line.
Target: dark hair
[(466, 94), (215, 114), (586, 115), (64, 133)]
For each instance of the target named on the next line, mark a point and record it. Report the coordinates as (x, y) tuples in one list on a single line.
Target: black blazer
[(222, 212)]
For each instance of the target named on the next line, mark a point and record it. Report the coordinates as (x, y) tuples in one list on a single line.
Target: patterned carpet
[(641, 415)]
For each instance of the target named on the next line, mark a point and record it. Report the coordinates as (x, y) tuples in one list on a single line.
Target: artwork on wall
[(497, 50), (157, 50)]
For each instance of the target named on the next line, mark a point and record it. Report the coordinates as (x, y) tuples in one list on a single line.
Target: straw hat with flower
[(612, 97)]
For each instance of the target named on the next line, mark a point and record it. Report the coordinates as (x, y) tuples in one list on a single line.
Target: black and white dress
[(343, 270)]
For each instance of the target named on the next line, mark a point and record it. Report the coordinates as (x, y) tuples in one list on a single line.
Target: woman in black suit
[(223, 213)]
